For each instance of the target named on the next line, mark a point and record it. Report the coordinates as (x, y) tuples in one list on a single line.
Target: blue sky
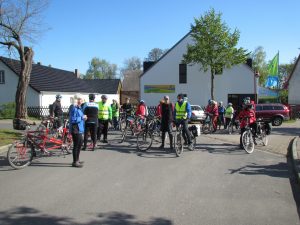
[(117, 29)]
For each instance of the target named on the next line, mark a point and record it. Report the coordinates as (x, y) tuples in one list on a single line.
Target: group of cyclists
[(93, 118)]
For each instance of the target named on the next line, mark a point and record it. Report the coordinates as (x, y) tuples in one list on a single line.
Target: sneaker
[(161, 147), (105, 141), (190, 147)]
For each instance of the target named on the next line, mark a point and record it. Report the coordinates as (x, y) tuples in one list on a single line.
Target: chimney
[(39, 63), (147, 65), (249, 62), (77, 74)]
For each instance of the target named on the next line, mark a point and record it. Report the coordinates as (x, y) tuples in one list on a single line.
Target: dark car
[(272, 112)]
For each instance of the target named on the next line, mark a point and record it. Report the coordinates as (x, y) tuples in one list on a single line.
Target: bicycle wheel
[(194, 141), (124, 133), (206, 128), (178, 143), (264, 138), (20, 154), (247, 141), (144, 140), (67, 143)]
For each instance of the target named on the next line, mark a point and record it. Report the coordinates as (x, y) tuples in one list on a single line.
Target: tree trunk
[(212, 84), (24, 78)]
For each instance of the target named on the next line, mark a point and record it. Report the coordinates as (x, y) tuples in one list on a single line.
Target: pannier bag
[(19, 124)]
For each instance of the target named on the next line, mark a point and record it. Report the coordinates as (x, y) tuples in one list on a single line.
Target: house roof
[(45, 78), (292, 73)]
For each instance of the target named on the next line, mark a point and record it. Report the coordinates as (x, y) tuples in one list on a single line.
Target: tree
[(101, 69), (284, 71), (20, 24), (132, 67), (214, 46), (155, 54), (259, 64)]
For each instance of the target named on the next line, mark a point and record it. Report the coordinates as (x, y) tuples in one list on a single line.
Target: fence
[(40, 111)]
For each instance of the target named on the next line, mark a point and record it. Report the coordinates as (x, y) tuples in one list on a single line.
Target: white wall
[(294, 85), (48, 98), (8, 90), (237, 80)]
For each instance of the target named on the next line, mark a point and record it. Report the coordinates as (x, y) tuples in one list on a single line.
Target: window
[(258, 108), (278, 107), (267, 107), (182, 74), (2, 77)]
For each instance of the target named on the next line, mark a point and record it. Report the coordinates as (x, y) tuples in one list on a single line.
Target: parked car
[(197, 113), (272, 112)]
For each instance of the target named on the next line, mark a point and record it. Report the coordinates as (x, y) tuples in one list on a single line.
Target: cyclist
[(104, 117), (141, 111), (182, 114), (166, 115), (221, 110), (228, 115), (115, 113), (91, 111), (214, 114), (127, 107), (57, 111), (76, 128), (247, 112)]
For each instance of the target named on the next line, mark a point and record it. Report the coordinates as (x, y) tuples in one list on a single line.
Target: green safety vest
[(181, 112), (103, 113), (115, 111), (229, 112)]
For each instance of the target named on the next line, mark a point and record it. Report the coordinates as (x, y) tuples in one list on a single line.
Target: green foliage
[(132, 67), (214, 45), (283, 96), (7, 111), (101, 69), (259, 64)]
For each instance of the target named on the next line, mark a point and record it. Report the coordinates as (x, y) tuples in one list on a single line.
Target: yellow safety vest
[(181, 112), (103, 113)]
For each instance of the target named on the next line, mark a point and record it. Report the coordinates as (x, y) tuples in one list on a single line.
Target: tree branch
[(9, 44)]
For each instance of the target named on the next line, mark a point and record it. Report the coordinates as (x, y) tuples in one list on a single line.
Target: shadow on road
[(286, 131), (224, 148), (31, 216)]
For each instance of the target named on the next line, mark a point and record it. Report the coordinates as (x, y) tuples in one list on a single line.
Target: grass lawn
[(289, 121), (8, 136)]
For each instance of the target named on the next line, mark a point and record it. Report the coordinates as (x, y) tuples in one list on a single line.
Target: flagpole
[(278, 97)]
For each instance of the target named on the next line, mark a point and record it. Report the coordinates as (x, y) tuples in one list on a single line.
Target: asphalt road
[(218, 184)]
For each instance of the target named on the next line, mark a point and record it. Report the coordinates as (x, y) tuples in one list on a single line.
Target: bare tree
[(20, 25)]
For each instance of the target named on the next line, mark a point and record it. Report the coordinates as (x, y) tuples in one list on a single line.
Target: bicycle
[(20, 154), (207, 127), (233, 124), (133, 125)]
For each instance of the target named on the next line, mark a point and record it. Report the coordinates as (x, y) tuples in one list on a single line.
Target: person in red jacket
[(247, 112), (141, 112), (158, 108), (214, 113)]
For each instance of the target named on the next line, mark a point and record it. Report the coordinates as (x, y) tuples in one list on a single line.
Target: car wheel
[(277, 121)]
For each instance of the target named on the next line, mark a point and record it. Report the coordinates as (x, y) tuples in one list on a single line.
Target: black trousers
[(163, 135), (185, 132), (227, 121), (92, 128), (102, 129), (77, 143)]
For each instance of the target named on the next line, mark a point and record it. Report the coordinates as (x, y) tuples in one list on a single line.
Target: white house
[(168, 76), (294, 84), (46, 82)]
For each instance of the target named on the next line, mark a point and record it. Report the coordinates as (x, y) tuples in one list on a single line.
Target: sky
[(115, 30)]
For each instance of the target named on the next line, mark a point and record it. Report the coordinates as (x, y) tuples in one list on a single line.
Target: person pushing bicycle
[(182, 114), (249, 113)]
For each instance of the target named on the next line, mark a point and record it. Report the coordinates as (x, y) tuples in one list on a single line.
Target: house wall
[(8, 90), (294, 84), (237, 80), (47, 98)]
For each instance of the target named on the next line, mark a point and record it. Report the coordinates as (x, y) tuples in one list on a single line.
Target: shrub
[(7, 111)]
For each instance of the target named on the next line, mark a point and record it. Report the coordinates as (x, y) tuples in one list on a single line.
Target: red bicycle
[(20, 154)]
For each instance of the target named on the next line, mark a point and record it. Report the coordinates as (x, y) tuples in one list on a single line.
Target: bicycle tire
[(194, 142), (264, 138), (144, 141), (67, 142), (178, 143), (24, 154), (124, 134), (247, 141)]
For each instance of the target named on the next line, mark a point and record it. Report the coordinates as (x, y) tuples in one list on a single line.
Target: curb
[(4, 148), (295, 159)]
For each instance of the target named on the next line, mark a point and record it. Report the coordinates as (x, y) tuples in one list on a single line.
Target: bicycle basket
[(193, 129)]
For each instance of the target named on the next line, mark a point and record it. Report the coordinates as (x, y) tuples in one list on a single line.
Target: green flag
[(273, 66)]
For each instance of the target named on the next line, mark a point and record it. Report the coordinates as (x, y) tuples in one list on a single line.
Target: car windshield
[(196, 107)]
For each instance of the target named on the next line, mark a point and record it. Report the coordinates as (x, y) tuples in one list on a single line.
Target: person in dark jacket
[(57, 111), (127, 107), (166, 114), (76, 127), (91, 125)]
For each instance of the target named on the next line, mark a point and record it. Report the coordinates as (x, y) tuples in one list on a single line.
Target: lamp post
[(256, 76)]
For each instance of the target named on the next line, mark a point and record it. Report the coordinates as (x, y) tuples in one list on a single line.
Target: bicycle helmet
[(142, 101), (92, 96), (103, 96), (221, 103), (58, 96), (209, 101), (229, 104), (180, 96)]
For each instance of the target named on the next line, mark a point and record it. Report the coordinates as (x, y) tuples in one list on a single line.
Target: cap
[(103, 96), (92, 96), (58, 96)]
